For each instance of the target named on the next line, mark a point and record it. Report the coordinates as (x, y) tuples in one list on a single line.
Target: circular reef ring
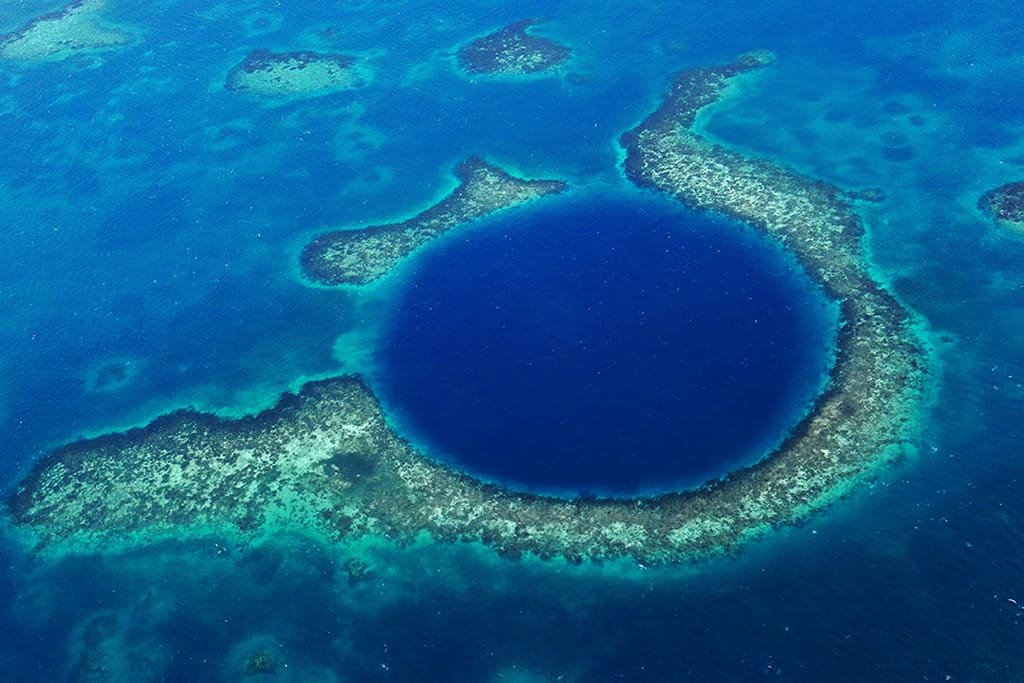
[(326, 462)]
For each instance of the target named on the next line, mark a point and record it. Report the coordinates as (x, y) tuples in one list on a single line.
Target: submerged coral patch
[(112, 375), (358, 257), (261, 23), (289, 74), (58, 35), (1004, 203), (514, 51)]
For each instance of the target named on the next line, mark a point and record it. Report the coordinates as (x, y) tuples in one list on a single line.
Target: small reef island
[(358, 257), (325, 461), (295, 74), (512, 51), (1005, 203), (73, 29)]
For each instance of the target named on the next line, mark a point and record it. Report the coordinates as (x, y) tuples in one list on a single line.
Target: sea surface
[(607, 344), (150, 228)]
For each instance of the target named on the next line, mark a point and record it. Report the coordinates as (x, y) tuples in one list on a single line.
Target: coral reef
[(357, 570), (870, 194), (58, 35), (260, 662), (358, 257), (512, 50), (112, 375), (108, 646), (325, 460), (1004, 203), (295, 74)]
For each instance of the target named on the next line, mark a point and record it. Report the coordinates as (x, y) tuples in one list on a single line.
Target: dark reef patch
[(874, 195), (1005, 203), (113, 374), (512, 50), (895, 107)]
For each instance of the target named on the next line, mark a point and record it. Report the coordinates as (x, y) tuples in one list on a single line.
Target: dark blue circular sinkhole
[(604, 346)]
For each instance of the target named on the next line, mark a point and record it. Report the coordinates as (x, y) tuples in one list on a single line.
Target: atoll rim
[(327, 461), (361, 256)]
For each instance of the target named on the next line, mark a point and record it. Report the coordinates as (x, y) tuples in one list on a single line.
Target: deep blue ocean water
[(603, 345), (148, 214)]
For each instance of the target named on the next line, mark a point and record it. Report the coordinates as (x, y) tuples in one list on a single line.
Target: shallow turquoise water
[(149, 214)]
